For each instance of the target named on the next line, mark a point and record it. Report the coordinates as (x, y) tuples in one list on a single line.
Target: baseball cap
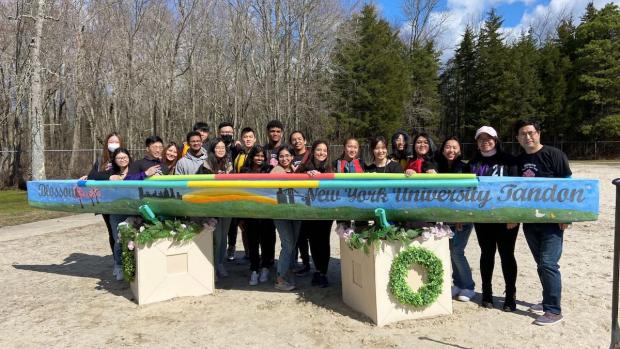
[(488, 130)]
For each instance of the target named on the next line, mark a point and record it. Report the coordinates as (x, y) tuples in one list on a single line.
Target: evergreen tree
[(524, 95), (494, 83), (598, 68), (370, 81), (422, 111)]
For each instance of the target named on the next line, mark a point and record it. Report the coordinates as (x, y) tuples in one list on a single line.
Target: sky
[(518, 16)]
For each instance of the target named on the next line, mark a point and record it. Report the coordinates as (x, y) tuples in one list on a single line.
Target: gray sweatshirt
[(189, 164)]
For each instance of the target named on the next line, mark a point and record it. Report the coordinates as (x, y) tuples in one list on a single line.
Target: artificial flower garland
[(146, 234), (402, 263)]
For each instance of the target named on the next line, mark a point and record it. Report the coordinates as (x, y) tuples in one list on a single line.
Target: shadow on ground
[(329, 298), (86, 266)]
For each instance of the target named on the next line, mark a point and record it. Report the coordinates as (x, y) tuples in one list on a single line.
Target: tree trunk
[(37, 160)]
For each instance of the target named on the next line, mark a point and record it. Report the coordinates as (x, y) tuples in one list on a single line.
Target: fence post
[(615, 330)]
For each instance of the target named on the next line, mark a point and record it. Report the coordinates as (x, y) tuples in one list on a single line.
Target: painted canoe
[(441, 198)]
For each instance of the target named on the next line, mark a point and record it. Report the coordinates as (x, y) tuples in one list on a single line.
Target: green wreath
[(429, 291)]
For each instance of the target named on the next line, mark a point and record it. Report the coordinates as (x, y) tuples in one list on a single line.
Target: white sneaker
[(466, 295), (537, 309), (254, 279), (284, 286), (455, 291), (221, 271), (264, 275), (118, 272)]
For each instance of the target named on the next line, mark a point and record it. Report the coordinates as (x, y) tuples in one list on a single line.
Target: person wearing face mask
[(491, 160), (318, 231), (450, 160), (103, 162), (400, 148), (152, 163), (226, 131)]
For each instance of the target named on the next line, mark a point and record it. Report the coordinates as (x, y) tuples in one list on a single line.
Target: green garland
[(373, 236), (429, 291), (147, 234)]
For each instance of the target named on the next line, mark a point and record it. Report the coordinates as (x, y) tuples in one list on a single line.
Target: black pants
[(303, 247), (232, 235), (260, 233), (106, 219), (496, 237), (318, 235)]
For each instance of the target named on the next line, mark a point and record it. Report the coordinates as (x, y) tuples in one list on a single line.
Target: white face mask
[(113, 146)]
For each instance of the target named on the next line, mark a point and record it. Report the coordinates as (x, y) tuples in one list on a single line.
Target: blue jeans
[(219, 238), (288, 230), (545, 242), (461, 272), (117, 251)]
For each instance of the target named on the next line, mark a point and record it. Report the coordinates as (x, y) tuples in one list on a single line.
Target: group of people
[(202, 155)]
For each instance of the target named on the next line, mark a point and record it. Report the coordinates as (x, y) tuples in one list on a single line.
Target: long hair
[(115, 168), (312, 164), (374, 142), (344, 148), (171, 164), (249, 160), (404, 154), (442, 162), (214, 163), (105, 153), (431, 146)]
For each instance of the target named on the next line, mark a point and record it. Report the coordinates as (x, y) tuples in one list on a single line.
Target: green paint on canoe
[(166, 207)]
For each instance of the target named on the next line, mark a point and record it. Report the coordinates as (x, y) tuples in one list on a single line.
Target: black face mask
[(227, 139)]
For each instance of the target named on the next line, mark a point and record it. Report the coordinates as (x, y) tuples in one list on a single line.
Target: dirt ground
[(59, 292)]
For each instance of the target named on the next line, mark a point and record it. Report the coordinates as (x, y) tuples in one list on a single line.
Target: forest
[(72, 71)]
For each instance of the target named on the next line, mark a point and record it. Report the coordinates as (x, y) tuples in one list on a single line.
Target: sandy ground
[(59, 292)]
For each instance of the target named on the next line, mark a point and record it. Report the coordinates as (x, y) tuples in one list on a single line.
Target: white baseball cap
[(488, 130)]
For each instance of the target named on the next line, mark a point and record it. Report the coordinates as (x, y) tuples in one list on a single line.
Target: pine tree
[(494, 83), (423, 107), (598, 68), (370, 81), (525, 94)]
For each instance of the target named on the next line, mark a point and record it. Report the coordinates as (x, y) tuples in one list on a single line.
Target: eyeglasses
[(119, 158), (531, 134)]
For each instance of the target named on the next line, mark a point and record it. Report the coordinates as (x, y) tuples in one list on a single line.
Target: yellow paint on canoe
[(221, 191), (254, 184), (197, 199)]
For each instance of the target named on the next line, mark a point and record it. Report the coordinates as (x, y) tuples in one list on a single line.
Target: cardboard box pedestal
[(165, 270), (365, 280)]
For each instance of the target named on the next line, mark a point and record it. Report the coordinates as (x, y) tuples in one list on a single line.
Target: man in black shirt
[(151, 164), (274, 132), (544, 239)]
